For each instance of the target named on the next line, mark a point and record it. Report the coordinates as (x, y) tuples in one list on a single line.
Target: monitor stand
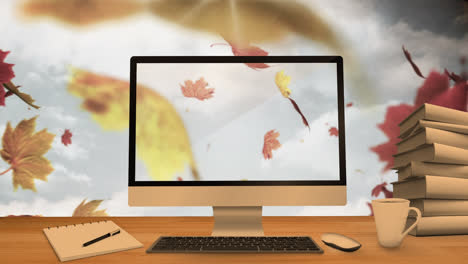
[(237, 221)]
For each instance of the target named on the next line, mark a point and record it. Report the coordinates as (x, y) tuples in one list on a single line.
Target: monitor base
[(237, 221)]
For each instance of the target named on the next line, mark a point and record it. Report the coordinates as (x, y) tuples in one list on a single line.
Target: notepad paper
[(67, 241)]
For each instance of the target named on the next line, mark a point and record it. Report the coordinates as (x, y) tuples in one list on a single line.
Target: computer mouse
[(340, 242)]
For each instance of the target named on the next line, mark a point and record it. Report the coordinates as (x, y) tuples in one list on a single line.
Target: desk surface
[(22, 241)]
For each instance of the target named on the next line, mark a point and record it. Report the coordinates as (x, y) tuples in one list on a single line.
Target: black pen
[(113, 233)]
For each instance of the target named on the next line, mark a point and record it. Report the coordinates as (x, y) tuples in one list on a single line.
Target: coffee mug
[(390, 219)]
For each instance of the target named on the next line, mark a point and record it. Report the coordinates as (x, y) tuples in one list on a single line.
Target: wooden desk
[(22, 241)]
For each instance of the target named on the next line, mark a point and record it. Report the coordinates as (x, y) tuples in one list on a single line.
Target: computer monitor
[(237, 133)]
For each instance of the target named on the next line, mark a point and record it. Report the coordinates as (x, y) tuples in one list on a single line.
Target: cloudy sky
[(95, 165)]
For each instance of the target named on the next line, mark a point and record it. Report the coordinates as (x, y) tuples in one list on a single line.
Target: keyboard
[(214, 244)]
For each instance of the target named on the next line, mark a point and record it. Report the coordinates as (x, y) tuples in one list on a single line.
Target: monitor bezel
[(237, 59)]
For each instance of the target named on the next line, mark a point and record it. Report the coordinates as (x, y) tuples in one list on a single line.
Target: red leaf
[(66, 137), (6, 69), (2, 95), (433, 86), (247, 50), (381, 188), (333, 131), (415, 67), (349, 104), (197, 90), (456, 78), (454, 97), (371, 209), (180, 178), (304, 120), (270, 143), (394, 115)]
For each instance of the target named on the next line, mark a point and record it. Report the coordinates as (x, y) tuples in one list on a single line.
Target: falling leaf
[(6, 74), (301, 140), (66, 137), (23, 150), (270, 143), (333, 131), (13, 89), (247, 50), (208, 146), (197, 90), (371, 209), (359, 171), (80, 12), (282, 82), (161, 138), (85, 209), (349, 104), (6, 69), (381, 188), (453, 76), (410, 60), (394, 115), (180, 178)]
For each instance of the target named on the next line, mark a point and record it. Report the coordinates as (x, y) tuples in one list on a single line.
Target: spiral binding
[(66, 226)]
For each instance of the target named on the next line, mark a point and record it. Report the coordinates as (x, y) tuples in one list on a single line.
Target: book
[(419, 169), (435, 152), (67, 241), (431, 187), (439, 225), (438, 125), (436, 207), (434, 113), (428, 135)]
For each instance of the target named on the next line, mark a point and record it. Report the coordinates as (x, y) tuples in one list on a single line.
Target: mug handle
[(415, 223)]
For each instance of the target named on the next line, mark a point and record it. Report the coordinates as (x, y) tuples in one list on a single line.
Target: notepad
[(68, 240)]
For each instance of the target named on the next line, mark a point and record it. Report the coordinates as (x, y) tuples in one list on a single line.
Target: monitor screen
[(237, 122)]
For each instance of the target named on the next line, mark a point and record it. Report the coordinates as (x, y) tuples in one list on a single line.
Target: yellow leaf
[(23, 96), (23, 150), (89, 209), (80, 12), (161, 138), (282, 81)]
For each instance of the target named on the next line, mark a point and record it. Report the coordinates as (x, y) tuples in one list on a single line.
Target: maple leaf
[(89, 209), (6, 74), (180, 178), (394, 115), (333, 131), (349, 104), (162, 141), (282, 82), (270, 143), (197, 90), (410, 60), (23, 150), (6, 69), (66, 137), (13, 89), (382, 188), (247, 50)]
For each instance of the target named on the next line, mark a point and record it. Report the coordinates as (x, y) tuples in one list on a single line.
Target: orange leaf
[(247, 50), (66, 137), (197, 90), (270, 143), (89, 209), (23, 150)]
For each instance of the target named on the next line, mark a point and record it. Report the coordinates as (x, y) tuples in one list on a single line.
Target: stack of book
[(432, 164)]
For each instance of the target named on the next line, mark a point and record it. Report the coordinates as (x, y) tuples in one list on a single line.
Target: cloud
[(41, 206), (71, 152), (58, 115), (74, 176)]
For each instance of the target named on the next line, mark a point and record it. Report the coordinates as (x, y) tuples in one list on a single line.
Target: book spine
[(432, 187), (440, 225), (432, 207), (419, 169)]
